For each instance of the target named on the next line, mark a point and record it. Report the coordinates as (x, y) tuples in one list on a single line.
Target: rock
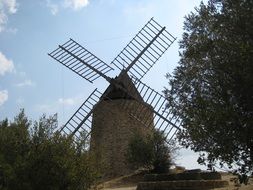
[(182, 185)]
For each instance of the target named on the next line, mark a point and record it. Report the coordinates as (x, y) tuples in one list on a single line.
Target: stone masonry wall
[(112, 128)]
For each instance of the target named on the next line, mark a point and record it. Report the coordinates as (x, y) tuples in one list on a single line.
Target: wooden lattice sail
[(127, 105)]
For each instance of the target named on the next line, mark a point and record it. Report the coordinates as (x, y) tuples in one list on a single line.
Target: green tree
[(150, 152), (33, 157), (212, 88)]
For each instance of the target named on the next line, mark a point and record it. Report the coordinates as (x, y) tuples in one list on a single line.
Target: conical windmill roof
[(112, 92)]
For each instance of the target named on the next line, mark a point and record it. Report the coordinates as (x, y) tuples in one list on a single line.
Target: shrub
[(151, 152), (33, 157)]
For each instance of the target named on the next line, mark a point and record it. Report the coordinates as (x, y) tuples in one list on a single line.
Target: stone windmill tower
[(127, 105), (112, 128)]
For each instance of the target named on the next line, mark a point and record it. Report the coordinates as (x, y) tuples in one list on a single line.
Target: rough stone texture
[(182, 185), (112, 128), (183, 176), (188, 180)]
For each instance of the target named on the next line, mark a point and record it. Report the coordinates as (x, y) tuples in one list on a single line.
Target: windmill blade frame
[(164, 119), (157, 103), (81, 61), (140, 54), (81, 119), (144, 50)]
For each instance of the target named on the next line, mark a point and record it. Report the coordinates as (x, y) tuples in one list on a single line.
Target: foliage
[(139, 152), (33, 157), (211, 89), (150, 152)]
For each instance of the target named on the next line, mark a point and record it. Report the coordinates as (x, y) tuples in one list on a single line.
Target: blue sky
[(30, 29)]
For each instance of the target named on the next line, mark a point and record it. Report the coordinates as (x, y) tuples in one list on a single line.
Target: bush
[(33, 157), (150, 152)]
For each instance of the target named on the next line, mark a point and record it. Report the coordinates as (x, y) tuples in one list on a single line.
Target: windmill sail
[(136, 59), (164, 119), (142, 52), (81, 120), (111, 118), (78, 59)]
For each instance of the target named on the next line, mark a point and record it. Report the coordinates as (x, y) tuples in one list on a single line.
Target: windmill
[(111, 117)]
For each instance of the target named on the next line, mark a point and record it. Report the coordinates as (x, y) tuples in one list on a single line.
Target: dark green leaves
[(33, 157), (212, 88), (150, 152)]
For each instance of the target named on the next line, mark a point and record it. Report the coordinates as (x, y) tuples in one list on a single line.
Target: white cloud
[(46, 108), (66, 101), (11, 30), (7, 7), (139, 9), (20, 101), (27, 82), (11, 5), (22, 73), (59, 104), (111, 2), (188, 159), (6, 65), (76, 4), (54, 8), (3, 96)]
